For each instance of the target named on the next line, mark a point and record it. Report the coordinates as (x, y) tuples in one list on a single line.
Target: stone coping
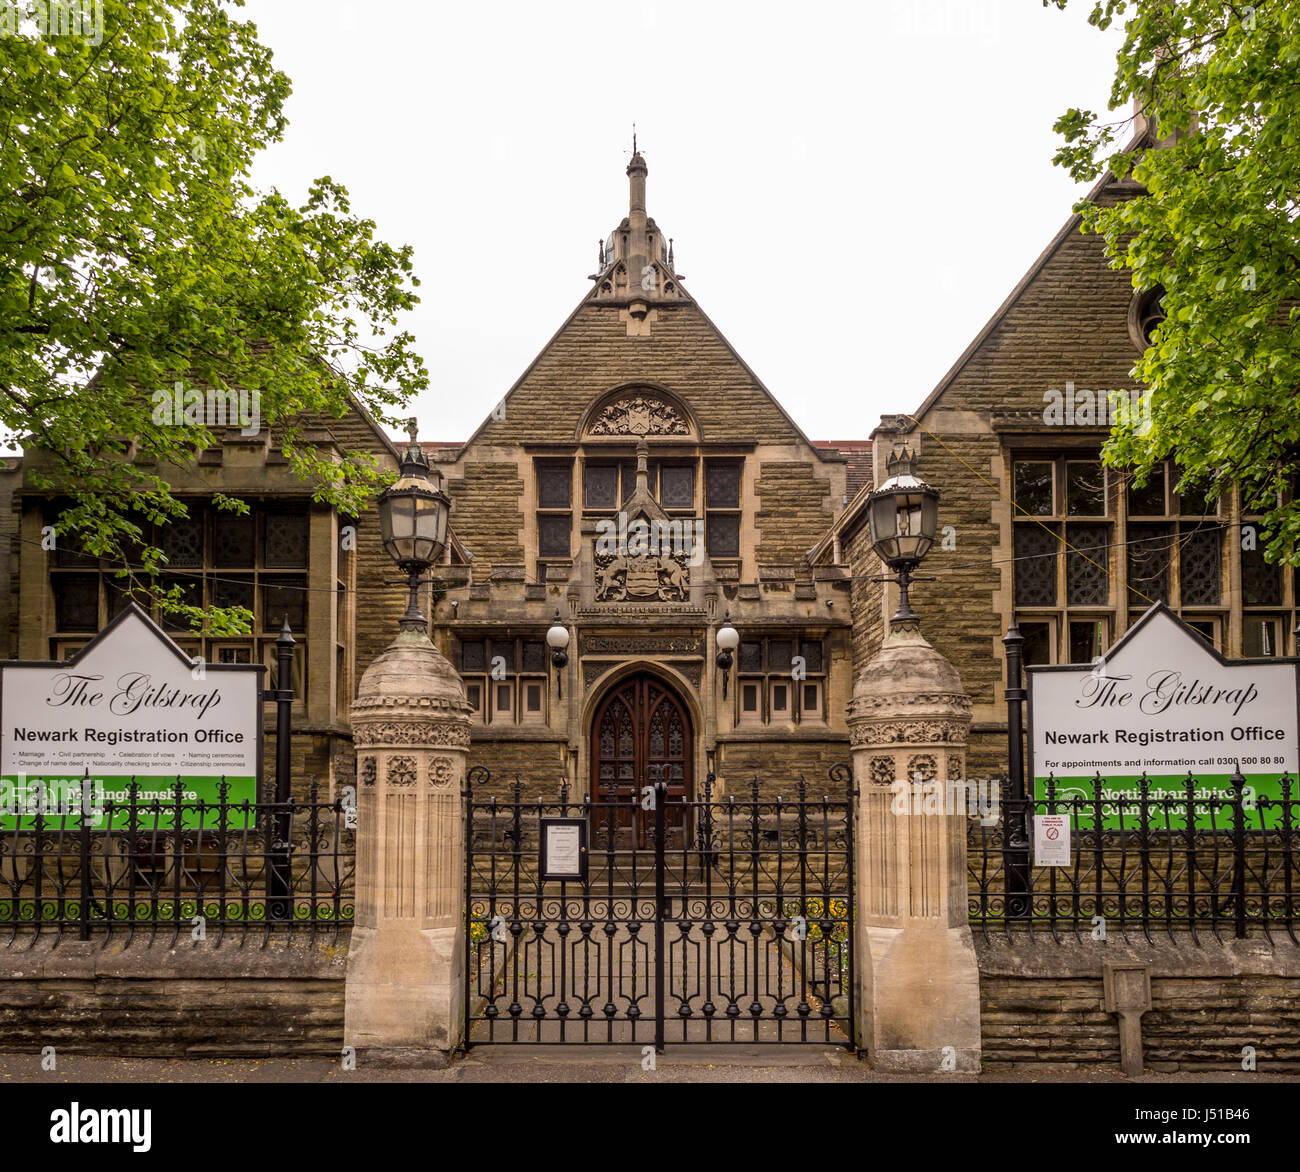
[(205, 960), (1043, 957)]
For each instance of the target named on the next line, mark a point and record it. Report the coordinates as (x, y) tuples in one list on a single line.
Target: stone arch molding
[(670, 675), (638, 410)]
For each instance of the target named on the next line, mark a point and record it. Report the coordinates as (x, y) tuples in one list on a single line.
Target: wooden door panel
[(641, 734)]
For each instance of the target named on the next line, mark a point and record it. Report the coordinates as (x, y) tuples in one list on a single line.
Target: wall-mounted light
[(728, 640), (557, 639)]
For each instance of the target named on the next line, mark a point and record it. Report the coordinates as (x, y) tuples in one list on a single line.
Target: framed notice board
[(563, 849)]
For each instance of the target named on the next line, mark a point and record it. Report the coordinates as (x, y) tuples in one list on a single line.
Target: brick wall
[(538, 764), (779, 763), (864, 599)]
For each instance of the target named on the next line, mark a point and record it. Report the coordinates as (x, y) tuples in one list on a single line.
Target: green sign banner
[(105, 803)]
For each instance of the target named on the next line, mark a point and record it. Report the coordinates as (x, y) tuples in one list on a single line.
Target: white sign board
[(1162, 702), (563, 848), (1051, 840), (130, 706)]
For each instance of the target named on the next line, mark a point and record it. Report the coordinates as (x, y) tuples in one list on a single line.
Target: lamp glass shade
[(413, 521), (903, 520), (557, 638), (728, 637)]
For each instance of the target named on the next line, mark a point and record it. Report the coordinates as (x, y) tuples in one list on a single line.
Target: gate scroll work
[(722, 919)]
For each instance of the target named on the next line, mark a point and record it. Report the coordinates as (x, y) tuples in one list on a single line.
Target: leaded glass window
[(286, 541), (76, 602), (233, 541), (182, 543), (1033, 488), (1085, 488), (1036, 549), (1200, 559), (1149, 555), (1261, 583), (600, 489), (1087, 565), (677, 486), (553, 486)]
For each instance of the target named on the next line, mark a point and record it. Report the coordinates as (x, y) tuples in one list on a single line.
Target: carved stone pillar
[(405, 975), (918, 980)]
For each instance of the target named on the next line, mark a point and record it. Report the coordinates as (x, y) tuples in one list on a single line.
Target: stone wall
[(864, 598), (486, 514), (1041, 1003), (191, 1001), (539, 764), (794, 505), (779, 763)]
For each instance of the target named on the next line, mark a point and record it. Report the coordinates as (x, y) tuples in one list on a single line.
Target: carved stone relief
[(639, 414)]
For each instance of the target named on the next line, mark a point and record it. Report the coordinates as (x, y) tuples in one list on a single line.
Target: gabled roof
[(1107, 180)]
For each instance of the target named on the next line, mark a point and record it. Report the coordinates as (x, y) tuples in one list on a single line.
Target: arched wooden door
[(641, 734)]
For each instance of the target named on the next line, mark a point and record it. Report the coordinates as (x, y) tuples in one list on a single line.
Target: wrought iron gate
[(732, 922)]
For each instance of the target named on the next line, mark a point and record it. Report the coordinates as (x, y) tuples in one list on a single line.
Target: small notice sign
[(564, 849), (1051, 840)]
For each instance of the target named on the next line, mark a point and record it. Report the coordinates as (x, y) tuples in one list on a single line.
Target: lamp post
[(728, 640), (903, 515), (557, 639), (413, 514)]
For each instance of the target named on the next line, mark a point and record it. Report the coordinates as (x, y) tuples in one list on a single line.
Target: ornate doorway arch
[(641, 733)]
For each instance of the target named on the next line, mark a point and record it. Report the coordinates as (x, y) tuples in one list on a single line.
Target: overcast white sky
[(853, 188)]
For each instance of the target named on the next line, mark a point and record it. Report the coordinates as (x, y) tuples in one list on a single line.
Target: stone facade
[(637, 374)]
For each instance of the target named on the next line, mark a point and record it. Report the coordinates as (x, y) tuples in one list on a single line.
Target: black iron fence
[(1142, 857), (164, 866), (706, 919)]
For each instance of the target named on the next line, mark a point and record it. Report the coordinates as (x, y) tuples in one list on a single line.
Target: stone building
[(1036, 527), (638, 479), (641, 481)]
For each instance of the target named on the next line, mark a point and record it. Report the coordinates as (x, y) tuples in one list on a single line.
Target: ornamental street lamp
[(903, 514), (728, 640), (557, 639), (413, 524)]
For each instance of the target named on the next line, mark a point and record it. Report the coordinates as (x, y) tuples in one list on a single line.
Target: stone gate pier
[(918, 991), (405, 975)]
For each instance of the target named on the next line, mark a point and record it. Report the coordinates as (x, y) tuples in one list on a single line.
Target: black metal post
[(1015, 818), (83, 840), (280, 877), (706, 819), (905, 613), (661, 911), (1238, 783), (414, 618)]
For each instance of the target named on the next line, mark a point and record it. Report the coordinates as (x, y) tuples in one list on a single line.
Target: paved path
[(617, 1064)]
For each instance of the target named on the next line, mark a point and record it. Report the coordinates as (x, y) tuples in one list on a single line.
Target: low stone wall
[(200, 1000), (1041, 1002)]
